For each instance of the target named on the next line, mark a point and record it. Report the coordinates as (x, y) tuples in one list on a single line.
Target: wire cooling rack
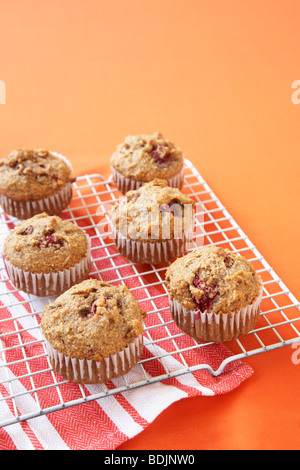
[(26, 376)]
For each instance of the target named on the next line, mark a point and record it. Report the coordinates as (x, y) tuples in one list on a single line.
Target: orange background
[(216, 78)]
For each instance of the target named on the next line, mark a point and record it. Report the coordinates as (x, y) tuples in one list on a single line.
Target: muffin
[(215, 294), (34, 181), (153, 224), (46, 255), (93, 332), (142, 158)]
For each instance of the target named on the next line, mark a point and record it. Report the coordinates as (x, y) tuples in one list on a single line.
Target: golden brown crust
[(145, 157), (153, 212), (93, 320), (45, 244), (30, 175), (213, 279)]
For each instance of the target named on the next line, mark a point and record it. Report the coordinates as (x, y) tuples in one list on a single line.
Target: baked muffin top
[(145, 157), (45, 244), (213, 279), (153, 212), (92, 320), (30, 175)]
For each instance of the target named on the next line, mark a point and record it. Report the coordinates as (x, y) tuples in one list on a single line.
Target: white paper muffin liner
[(125, 184), (87, 371), (155, 252), (211, 327), (51, 204), (47, 284)]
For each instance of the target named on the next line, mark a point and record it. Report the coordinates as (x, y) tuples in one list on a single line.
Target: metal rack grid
[(26, 376)]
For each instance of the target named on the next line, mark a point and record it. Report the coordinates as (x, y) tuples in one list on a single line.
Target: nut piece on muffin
[(34, 181), (46, 255), (142, 158), (93, 332), (153, 224), (214, 294)]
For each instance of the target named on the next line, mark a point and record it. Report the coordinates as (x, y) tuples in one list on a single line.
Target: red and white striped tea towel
[(108, 422)]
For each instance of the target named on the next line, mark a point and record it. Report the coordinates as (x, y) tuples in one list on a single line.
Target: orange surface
[(216, 78)]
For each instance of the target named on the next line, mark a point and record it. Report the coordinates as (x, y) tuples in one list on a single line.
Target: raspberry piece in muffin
[(160, 153), (50, 240), (206, 296)]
